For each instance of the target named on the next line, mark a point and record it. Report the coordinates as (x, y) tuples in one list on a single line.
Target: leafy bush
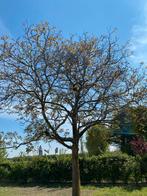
[(116, 167), (19, 171), (110, 167), (4, 170), (143, 165), (89, 168)]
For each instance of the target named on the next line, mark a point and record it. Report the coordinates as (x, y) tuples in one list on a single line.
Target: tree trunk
[(75, 171)]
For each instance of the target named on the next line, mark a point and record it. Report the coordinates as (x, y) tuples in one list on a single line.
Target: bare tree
[(52, 82)]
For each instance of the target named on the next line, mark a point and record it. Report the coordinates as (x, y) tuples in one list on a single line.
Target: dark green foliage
[(110, 167), (144, 166), (129, 124), (19, 171), (139, 119), (5, 170), (91, 169), (40, 169)]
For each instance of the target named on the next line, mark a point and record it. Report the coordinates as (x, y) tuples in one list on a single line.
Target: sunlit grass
[(86, 191), (118, 191)]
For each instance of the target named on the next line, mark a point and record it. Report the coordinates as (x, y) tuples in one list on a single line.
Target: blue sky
[(75, 17)]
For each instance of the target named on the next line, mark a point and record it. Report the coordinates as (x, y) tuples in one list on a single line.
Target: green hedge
[(111, 168)]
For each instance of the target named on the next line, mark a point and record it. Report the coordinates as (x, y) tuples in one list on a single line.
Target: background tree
[(129, 124), (3, 152), (139, 120), (50, 81), (97, 140)]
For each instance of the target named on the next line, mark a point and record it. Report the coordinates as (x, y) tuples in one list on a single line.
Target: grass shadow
[(41, 185)]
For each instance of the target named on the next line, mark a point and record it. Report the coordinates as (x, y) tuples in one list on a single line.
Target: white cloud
[(139, 39)]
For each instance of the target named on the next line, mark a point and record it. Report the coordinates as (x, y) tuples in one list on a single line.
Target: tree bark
[(75, 171)]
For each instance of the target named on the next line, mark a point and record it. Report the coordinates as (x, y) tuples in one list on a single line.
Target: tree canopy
[(50, 81), (139, 120), (129, 124), (97, 139)]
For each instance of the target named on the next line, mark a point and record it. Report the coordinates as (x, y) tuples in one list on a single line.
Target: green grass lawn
[(86, 191), (119, 191)]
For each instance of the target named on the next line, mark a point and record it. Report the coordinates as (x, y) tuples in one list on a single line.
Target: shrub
[(19, 171), (89, 168), (110, 167), (5, 170), (143, 165), (115, 167)]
